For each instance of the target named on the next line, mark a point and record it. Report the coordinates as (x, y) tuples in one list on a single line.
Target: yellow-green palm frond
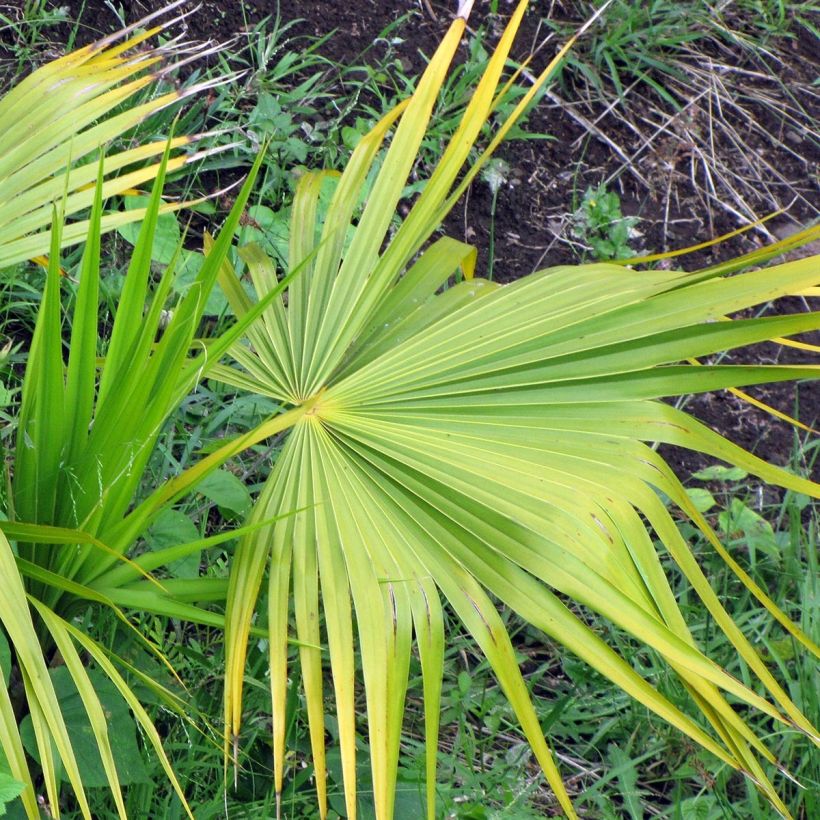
[(54, 123), (476, 444)]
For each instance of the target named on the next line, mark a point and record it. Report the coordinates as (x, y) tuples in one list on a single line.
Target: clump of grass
[(24, 35), (691, 94)]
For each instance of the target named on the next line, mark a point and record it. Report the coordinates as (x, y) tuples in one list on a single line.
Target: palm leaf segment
[(57, 116), (482, 441)]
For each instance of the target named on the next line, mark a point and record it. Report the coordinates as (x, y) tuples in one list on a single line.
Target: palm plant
[(57, 116), (480, 444), (85, 434)]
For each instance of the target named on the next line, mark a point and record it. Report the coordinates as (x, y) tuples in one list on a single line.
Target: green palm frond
[(480, 444), (59, 116), (86, 429)]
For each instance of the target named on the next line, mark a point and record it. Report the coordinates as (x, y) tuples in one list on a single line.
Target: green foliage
[(651, 43), (166, 249), (5, 659), (311, 112), (85, 434), (27, 25), (127, 756), (227, 492), (171, 528), (53, 123), (600, 225), (10, 789), (283, 101), (475, 444), (640, 41), (482, 766)]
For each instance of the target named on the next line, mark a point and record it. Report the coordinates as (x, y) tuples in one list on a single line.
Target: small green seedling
[(600, 225)]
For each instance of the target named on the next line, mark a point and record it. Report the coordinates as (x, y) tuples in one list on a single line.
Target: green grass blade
[(82, 371), (148, 728)]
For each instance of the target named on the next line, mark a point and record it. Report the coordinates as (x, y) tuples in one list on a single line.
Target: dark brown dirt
[(547, 178)]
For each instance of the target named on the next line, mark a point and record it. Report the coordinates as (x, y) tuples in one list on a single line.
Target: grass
[(619, 761), (25, 28), (674, 90), (655, 42)]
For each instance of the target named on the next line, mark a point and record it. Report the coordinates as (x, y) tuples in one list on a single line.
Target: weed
[(496, 174), (599, 224), (24, 29)]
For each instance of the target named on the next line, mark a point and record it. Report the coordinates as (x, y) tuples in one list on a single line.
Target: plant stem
[(491, 244)]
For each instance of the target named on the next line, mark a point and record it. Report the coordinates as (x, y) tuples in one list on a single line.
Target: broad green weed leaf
[(10, 789), (742, 520), (269, 118), (779, 651), (718, 472), (170, 528), (268, 228), (701, 498), (227, 491), (703, 807), (5, 657), (208, 208), (800, 501), (167, 237), (271, 229), (410, 801), (127, 756), (190, 264)]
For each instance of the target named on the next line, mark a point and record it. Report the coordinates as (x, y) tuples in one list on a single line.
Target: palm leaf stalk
[(483, 443), (54, 122)]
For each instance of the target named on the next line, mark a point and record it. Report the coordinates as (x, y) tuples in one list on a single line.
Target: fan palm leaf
[(483, 444), (57, 118)]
